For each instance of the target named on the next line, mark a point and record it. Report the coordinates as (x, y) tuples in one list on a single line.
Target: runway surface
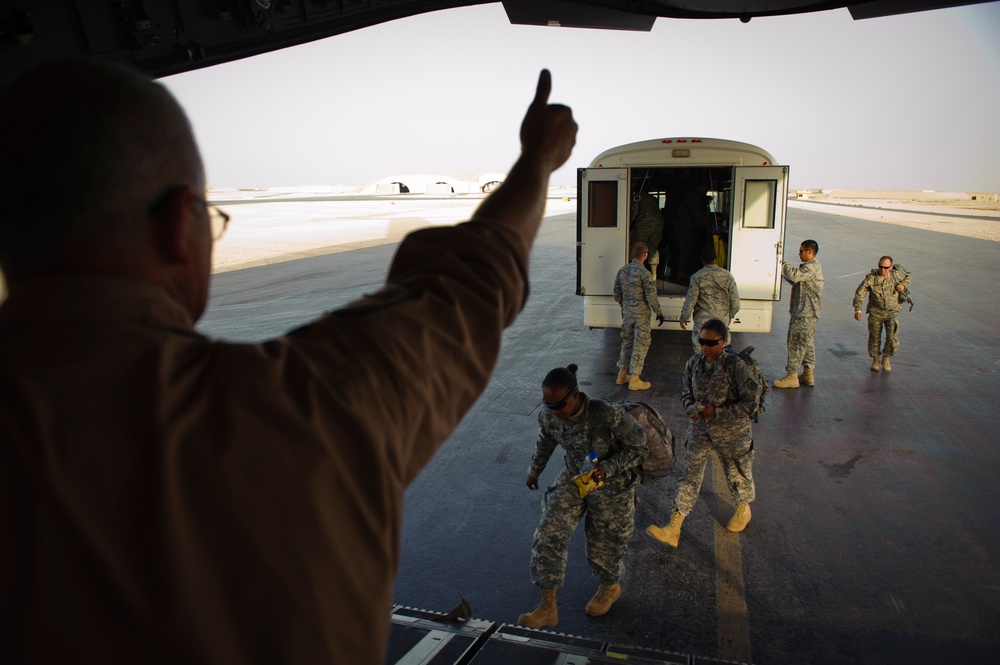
[(876, 529)]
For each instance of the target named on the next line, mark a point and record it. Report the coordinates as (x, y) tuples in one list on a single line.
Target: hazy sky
[(903, 102)]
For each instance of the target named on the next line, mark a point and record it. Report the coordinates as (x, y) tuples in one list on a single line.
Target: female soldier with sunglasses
[(582, 426), (719, 394)]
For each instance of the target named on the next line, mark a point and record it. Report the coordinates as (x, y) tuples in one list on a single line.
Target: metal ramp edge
[(421, 637)]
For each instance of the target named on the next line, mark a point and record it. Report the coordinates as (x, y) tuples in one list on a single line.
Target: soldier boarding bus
[(679, 195)]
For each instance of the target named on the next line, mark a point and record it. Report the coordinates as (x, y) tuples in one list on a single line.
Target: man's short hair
[(891, 262), (811, 245), (638, 249), (718, 326), (109, 138), (708, 254)]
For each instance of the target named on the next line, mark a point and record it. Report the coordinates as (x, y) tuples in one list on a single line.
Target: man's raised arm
[(548, 134)]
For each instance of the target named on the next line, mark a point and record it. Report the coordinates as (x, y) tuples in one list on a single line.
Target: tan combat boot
[(603, 600), (546, 613), (622, 376), (791, 380), (635, 383), (886, 367), (669, 534), (740, 518), (807, 378), (875, 366)]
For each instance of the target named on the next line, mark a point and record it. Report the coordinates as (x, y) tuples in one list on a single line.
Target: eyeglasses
[(217, 217), (885, 267), (708, 342), (555, 406)]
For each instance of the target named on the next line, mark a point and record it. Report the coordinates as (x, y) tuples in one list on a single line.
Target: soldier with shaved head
[(883, 285), (803, 315)]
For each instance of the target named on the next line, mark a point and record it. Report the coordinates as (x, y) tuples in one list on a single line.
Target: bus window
[(603, 211), (758, 204)]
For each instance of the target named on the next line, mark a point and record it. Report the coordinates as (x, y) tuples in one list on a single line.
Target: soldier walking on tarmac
[(884, 286), (635, 291), (603, 439), (719, 394), (807, 287)]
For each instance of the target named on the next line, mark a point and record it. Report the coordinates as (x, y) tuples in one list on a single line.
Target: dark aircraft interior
[(165, 37), (669, 186)]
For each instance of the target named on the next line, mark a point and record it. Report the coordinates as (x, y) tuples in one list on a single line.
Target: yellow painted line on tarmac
[(730, 589)]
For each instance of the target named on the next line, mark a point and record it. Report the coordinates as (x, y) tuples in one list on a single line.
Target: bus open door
[(737, 188)]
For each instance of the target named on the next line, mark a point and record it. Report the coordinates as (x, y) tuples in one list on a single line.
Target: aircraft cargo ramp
[(422, 638)]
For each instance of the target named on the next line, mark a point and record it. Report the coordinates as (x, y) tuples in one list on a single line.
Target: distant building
[(435, 184), (893, 195)]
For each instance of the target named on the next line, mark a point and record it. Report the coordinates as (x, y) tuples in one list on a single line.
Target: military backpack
[(904, 295), (660, 440), (759, 377)]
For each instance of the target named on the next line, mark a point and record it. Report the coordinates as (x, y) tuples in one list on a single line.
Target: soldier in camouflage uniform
[(635, 291), (807, 287), (719, 394), (647, 226), (582, 425), (883, 286), (711, 294)]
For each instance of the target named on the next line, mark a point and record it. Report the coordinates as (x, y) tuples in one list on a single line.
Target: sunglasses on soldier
[(555, 406), (708, 342)]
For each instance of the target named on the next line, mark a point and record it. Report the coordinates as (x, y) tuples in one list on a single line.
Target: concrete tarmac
[(876, 529)]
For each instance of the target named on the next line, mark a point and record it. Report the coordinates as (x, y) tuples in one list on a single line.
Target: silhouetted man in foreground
[(167, 497)]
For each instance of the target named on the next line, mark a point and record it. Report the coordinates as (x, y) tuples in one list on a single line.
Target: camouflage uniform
[(712, 294), (728, 385), (883, 306), (620, 444), (635, 290), (647, 225), (807, 287)]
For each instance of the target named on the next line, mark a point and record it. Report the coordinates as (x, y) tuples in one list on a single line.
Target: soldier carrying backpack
[(720, 394), (887, 288), (600, 439)]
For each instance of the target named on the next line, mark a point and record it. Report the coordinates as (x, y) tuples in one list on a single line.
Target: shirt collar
[(92, 299), (578, 416)]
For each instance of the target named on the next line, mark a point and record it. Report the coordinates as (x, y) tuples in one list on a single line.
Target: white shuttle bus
[(739, 201)]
